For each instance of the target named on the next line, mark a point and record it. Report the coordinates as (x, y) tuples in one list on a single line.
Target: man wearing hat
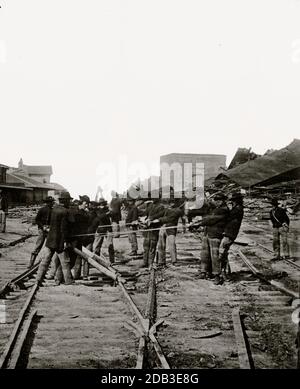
[(232, 227), (58, 235), (42, 220), (3, 211), (132, 221), (215, 222), (79, 233), (170, 219), (280, 222), (154, 211), (115, 209), (102, 228)]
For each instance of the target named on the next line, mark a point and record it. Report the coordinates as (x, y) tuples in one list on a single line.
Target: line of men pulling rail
[(73, 224)]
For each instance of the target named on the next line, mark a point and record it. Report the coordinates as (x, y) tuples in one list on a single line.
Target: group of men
[(68, 225), (73, 224)]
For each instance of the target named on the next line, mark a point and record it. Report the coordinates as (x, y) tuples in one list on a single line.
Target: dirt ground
[(85, 325)]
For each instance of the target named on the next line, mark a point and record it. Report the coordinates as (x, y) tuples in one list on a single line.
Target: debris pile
[(26, 213)]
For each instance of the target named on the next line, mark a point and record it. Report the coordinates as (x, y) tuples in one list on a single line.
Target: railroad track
[(113, 321), (266, 297), (288, 261), (16, 297), (13, 353)]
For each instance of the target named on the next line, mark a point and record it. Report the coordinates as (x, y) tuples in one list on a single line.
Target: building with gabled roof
[(40, 173)]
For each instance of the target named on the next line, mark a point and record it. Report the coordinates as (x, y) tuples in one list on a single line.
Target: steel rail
[(276, 284), (13, 337)]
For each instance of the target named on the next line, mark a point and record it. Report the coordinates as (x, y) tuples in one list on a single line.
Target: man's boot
[(32, 260)]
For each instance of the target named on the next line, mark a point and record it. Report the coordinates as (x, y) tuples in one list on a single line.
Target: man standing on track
[(215, 222), (59, 231), (132, 221), (3, 211), (154, 211), (232, 228), (79, 231), (170, 220), (280, 222), (115, 213), (42, 220), (102, 226)]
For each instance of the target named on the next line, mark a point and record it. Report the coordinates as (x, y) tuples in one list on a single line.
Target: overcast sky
[(84, 83)]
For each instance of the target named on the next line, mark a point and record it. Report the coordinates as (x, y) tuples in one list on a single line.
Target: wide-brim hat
[(94, 203), (65, 196), (102, 201), (49, 199), (84, 198)]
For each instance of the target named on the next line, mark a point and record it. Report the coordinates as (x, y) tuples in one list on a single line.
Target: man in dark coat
[(88, 240), (78, 233), (154, 211), (232, 228), (215, 222), (132, 221), (58, 235), (168, 235), (3, 211), (42, 220), (280, 222), (102, 227), (115, 213)]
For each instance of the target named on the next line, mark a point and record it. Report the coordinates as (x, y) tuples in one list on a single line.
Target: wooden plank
[(96, 265), (12, 339), (240, 340), (27, 273), (276, 284), (283, 289), (141, 353), (149, 312), (135, 309), (159, 352), (12, 364), (100, 259)]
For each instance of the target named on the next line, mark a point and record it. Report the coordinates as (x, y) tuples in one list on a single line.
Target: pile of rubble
[(26, 213)]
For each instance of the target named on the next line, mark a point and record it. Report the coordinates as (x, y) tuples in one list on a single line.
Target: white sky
[(85, 82)]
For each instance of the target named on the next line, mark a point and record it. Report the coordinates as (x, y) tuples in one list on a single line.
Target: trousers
[(2, 221), (225, 244), (149, 246), (42, 235), (97, 244), (133, 241), (209, 258), (280, 235), (63, 266), (164, 239)]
